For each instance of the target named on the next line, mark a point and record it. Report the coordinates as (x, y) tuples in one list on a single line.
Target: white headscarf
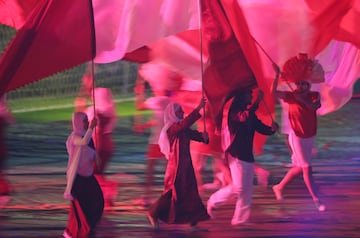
[(169, 119)]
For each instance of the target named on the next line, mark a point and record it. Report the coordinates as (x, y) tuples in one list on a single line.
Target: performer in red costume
[(303, 104)]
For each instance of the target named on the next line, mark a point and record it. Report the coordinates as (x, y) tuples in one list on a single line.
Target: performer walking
[(303, 104), (238, 138), (180, 202), (82, 187)]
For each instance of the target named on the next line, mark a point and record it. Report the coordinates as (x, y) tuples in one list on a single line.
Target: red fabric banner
[(56, 36), (14, 13), (233, 67)]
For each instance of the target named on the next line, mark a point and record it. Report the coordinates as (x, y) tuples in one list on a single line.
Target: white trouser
[(301, 150), (242, 174)]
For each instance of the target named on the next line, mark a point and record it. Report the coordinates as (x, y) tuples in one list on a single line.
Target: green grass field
[(125, 108)]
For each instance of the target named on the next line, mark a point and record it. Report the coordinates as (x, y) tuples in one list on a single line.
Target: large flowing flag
[(125, 25), (341, 63), (287, 28), (284, 29), (58, 35), (336, 20), (240, 46), (233, 55), (45, 44)]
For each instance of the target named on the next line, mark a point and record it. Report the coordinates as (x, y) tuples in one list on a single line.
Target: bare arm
[(274, 91), (81, 141)]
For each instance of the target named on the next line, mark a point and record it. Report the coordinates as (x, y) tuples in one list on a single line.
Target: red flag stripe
[(54, 38)]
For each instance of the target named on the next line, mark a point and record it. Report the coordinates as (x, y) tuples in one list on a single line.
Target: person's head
[(80, 123), (242, 100), (302, 86), (173, 113), (179, 112)]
